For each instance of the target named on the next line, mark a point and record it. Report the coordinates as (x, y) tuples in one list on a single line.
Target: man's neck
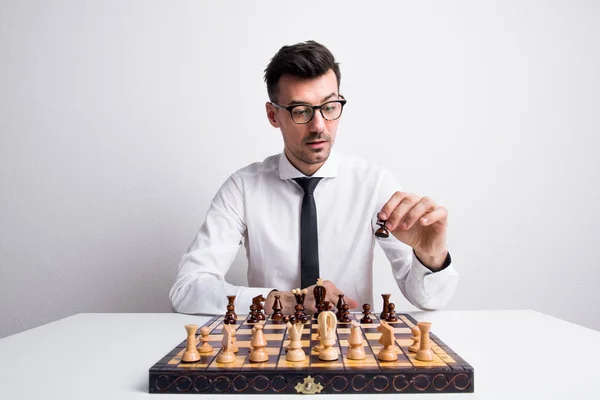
[(306, 169)]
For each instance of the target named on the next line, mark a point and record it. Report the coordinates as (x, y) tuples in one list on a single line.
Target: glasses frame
[(315, 108)]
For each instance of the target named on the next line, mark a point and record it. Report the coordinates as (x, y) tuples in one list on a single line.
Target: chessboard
[(446, 373)]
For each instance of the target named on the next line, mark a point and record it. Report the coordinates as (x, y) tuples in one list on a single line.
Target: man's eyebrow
[(296, 102)]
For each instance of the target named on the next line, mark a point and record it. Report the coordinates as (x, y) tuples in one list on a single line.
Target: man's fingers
[(440, 214), (391, 205), (405, 206), (351, 302), (419, 210)]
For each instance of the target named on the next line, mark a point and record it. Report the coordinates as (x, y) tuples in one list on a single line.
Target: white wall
[(119, 120)]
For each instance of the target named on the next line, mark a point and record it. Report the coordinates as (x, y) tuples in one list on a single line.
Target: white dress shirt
[(260, 205)]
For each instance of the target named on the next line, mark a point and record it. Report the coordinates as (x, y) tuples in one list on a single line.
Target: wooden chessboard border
[(460, 379)]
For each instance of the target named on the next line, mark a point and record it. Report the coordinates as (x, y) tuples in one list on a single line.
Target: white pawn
[(259, 342), (356, 349)]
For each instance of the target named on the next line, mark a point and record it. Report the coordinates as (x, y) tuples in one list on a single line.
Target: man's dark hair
[(304, 60)]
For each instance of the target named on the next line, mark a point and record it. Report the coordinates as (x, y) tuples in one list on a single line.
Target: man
[(311, 212)]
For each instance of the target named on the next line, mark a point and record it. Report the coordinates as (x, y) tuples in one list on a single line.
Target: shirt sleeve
[(422, 287), (200, 286)]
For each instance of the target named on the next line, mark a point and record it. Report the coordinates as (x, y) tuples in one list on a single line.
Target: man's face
[(307, 146)]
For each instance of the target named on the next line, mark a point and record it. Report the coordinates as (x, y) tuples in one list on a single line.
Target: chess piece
[(295, 352), (229, 318), (416, 338), (366, 311), (226, 355), (386, 301), (356, 349), (259, 342), (299, 314), (252, 318), (231, 300), (327, 331), (205, 347), (345, 316), (319, 292), (387, 339), (234, 345), (230, 315), (381, 232), (277, 315), (424, 353), (339, 306), (320, 309), (391, 313), (191, 354), (258, 301), (300, 295), (318, 347)]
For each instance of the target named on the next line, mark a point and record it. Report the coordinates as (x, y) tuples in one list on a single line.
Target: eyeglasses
[(303, 113)]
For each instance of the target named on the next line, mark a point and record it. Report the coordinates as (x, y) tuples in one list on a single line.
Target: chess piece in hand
[(421, 224), (288, 300)]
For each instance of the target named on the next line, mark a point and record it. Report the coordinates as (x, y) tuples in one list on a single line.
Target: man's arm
[(427, 279), (200, 287)]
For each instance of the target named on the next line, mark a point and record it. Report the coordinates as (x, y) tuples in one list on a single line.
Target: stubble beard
[(312, 157)]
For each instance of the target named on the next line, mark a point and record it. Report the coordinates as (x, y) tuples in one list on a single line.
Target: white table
[(516, 355)]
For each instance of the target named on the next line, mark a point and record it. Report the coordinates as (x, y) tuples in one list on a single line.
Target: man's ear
[(271, 115)]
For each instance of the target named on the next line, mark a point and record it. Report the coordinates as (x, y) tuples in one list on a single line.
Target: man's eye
[(300, 111)]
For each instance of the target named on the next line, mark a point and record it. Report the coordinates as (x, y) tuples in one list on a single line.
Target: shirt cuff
[(431, 290), (446, 264)]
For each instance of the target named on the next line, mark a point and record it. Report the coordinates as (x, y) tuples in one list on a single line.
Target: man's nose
[(317, 124)]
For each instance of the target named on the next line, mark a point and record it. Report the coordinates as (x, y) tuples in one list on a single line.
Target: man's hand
[(288, 301), (419, 223)]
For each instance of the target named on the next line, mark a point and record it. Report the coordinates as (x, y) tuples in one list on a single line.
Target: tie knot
[(308, 184)]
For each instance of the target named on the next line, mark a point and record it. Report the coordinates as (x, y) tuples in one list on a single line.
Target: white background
[(119, 120)]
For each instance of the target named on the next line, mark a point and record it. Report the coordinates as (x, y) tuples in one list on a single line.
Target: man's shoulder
[(268, 166), (358, 165)]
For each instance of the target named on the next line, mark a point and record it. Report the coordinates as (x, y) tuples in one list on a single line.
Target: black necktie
[(309, 239)]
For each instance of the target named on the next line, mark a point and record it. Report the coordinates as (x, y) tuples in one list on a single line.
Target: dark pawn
[(277, 315), (299, 311), (339, 306), (252, 318), (229, 319), (303, 318), (327, 306), (231, 303), (384, 309), (345, 316), (391, 313), (366, 311), (382, 232)]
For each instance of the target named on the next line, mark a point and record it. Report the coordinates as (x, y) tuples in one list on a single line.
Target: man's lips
[(316, 143)]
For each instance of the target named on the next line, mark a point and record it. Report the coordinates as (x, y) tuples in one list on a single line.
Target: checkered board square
[(447, 373)]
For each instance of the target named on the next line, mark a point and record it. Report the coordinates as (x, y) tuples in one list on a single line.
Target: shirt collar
[(328, 170)]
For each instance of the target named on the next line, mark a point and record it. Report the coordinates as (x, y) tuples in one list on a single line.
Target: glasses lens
[(302, 114), (332, 110)]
